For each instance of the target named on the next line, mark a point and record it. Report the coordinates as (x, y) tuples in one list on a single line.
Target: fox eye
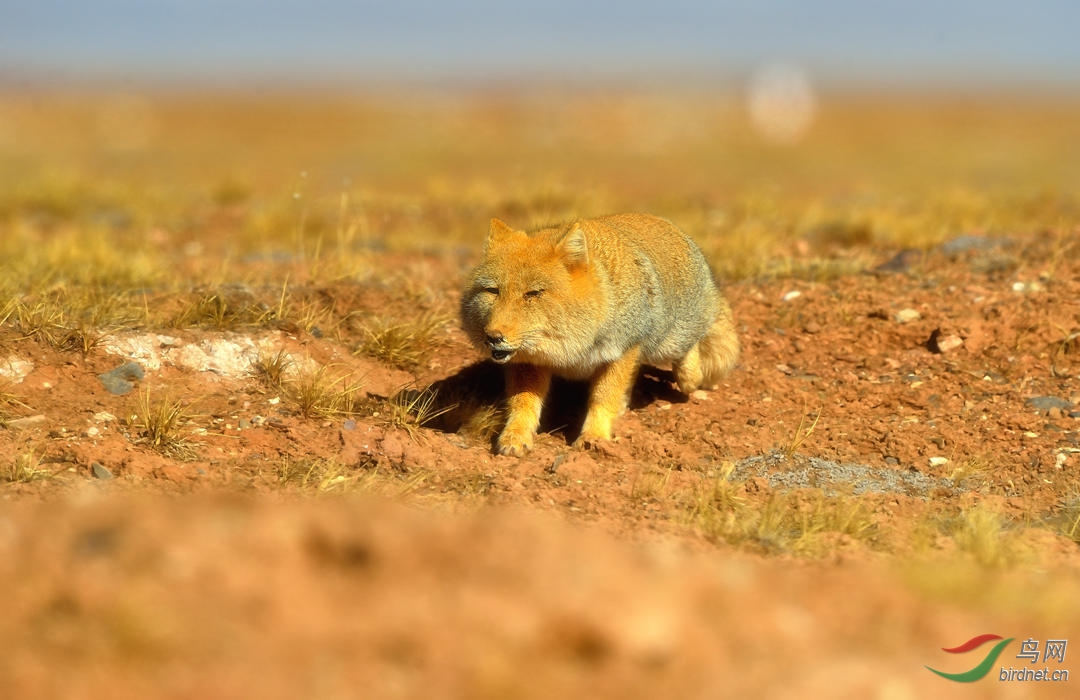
[(533, 293), (494, 291)]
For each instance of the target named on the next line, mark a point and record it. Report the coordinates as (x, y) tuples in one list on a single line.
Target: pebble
[(100, 471), (1028, 287), (906, 316), (28, 422), (243, 424), (938, 342), (349, 424), (901, 262), (938, 461), (1048, 403), (793, 294), (122, 380), (968, 243)]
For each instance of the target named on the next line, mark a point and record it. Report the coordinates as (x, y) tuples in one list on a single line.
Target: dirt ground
[(253, 486), (446, 571)]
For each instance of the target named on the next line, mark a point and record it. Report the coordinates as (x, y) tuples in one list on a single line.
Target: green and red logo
[(983, 666)]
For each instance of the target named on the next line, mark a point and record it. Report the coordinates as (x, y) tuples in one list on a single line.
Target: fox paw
[(514, 444), (591, 440)]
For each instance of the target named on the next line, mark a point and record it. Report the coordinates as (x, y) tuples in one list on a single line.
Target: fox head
[(533, 297)]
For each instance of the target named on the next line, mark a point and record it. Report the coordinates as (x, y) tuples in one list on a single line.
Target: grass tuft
[(315, 394), (404, 345), (987, 535), (412, 409), (270, 370), (222, 309), (158, 425), (26, 468), (806, 522)]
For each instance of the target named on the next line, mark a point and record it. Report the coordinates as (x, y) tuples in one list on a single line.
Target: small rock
[(812, 328), (700, 395), (941, 343), (938, 461), (1048, 403), (906, 316), (892, 461), (99, 471), (104, 417), (968, 243), (25, 423), (243, 424), (349, 424), (92, 432), (793, 294), (901, 262), (1028, 287), (258, 420), (122, 380)]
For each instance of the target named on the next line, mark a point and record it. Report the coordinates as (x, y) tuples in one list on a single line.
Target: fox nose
[(495, 338)]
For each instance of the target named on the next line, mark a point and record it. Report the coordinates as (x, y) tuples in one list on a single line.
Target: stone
[(1048, 403), (100, 471), (122, 380), (26, 423), (939, 342), (906, 316), (901, 262)]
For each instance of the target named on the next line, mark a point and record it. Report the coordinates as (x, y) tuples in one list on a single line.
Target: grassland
[(286, 268)]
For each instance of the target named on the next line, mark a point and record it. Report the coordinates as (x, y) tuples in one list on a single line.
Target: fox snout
[(500, 351)]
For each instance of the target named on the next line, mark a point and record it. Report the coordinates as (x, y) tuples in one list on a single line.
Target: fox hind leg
[(712, 357), (719, 349), (608, 398), (688, 375)]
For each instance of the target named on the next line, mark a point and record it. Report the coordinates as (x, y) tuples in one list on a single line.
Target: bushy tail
[(719, 349)]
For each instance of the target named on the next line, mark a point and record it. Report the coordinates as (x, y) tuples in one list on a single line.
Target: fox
[(593, 300)]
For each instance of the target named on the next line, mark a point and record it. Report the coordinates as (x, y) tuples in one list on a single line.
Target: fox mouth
[(500, 355)]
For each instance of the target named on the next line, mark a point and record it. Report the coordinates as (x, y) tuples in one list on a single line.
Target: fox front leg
[(526, 388)]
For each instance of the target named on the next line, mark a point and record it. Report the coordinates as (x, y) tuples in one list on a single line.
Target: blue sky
[(865, 43)]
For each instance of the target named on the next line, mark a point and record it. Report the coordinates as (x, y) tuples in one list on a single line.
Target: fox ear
[(499, 231), (573, 247)]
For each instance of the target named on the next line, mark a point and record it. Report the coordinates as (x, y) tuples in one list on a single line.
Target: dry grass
[(318, 394), (806, 522), (27, 467), (9, 400), (331, 477), (159, 424), (412, 409), (989, 537), (403, 344), (272, 370)]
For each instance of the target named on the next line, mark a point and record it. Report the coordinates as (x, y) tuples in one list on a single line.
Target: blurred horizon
[(837, 44)]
